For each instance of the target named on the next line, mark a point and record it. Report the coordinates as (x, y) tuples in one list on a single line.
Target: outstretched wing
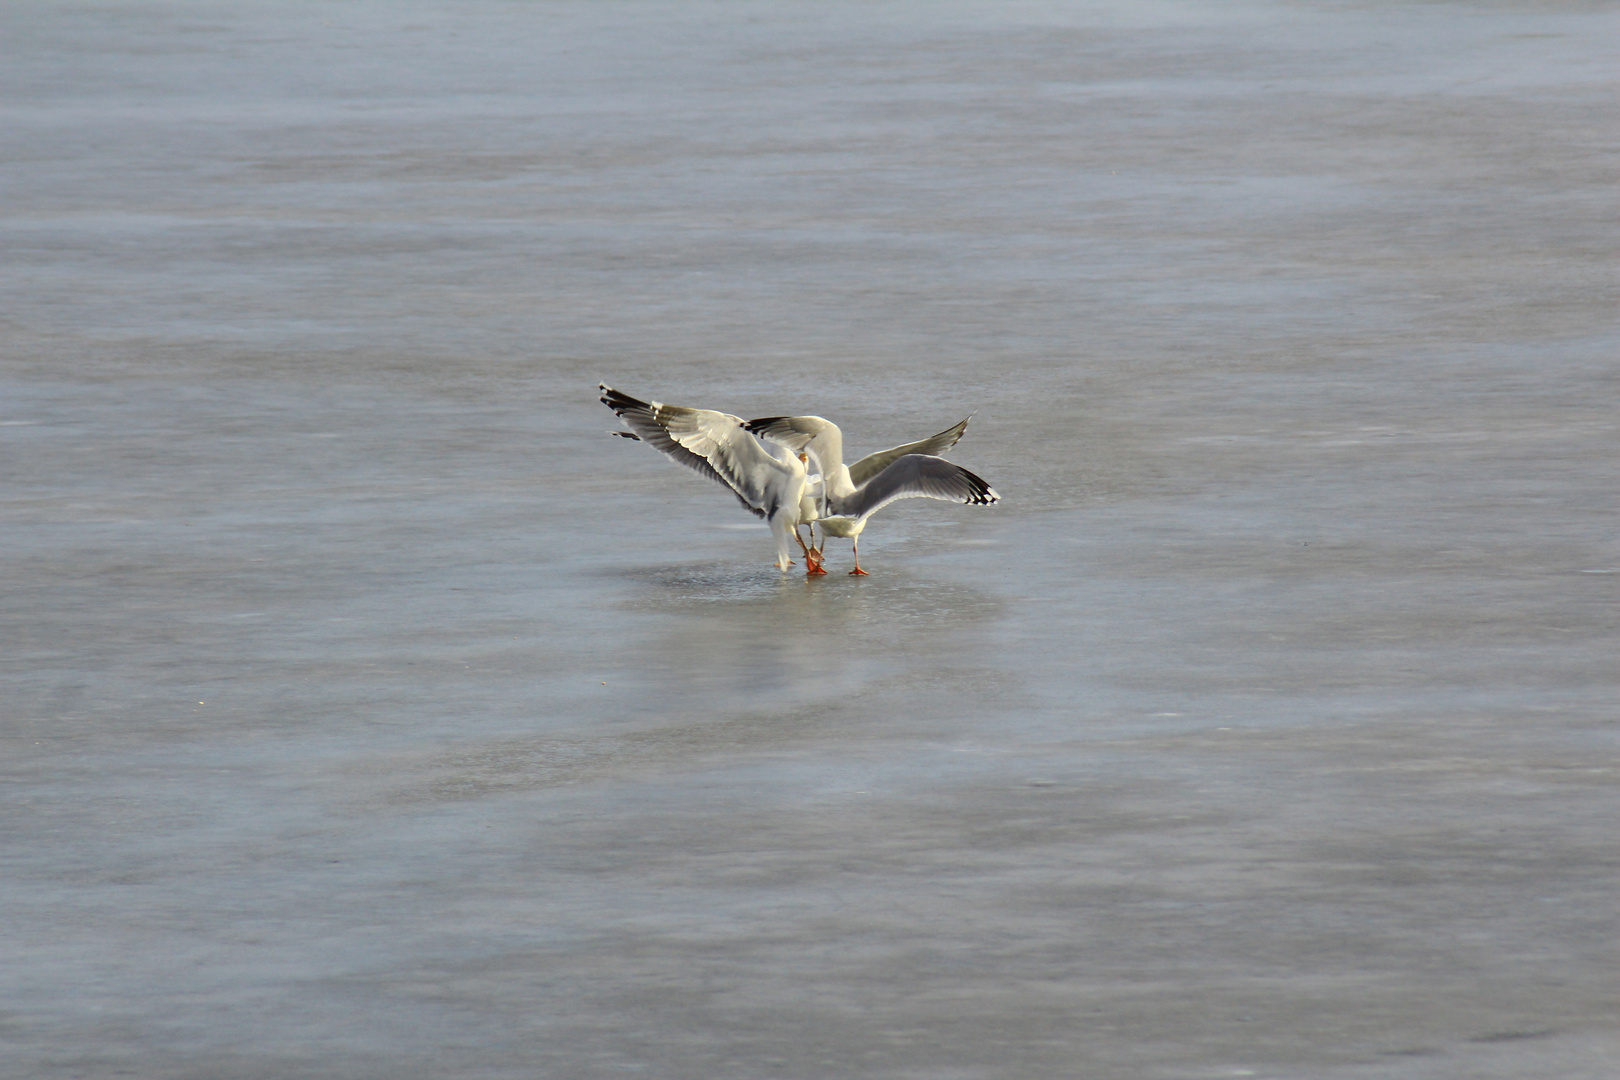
[(793, 432), (871, 465), (919, 476), (713, 444), (813, 435)]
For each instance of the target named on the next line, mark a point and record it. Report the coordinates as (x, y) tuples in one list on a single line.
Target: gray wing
[(793, 432), (919, 476), (813, 435), (871, 465), (713, 444)]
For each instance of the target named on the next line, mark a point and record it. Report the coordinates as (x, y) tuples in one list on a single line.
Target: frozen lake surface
[(369, 713)]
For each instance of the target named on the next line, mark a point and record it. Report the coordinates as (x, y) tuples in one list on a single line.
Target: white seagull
[(823, 437), (717, 445), (822, 440), (851, 494)]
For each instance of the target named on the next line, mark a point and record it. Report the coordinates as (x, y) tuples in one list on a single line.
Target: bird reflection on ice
[(754, 633), (712, 584)]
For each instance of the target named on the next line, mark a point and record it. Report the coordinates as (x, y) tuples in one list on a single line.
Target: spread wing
[(919, 476), (813, 435), (713, 444), (793, 432), (871, 465)]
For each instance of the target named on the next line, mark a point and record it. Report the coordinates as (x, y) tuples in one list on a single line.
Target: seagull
[(912, 477), (770, 485), (823, 440), (851, 494)]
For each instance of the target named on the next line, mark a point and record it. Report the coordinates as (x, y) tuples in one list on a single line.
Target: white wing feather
[(715, 444), (919, 476)]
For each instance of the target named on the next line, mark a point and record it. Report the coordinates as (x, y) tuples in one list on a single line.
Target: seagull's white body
[(823, 440), (770, 482), (842, 525), (852, 494)]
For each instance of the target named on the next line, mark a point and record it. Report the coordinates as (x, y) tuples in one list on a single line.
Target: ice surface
[(370, 713)]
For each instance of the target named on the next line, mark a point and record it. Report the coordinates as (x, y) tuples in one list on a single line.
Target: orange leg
[(858, 569), (812, 557)]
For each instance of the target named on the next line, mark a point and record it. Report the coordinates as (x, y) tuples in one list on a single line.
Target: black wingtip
[(619, 401), (983, 493), (632, 436), (760, 424)]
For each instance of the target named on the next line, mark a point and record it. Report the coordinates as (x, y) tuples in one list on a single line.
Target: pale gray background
[(369, 713)]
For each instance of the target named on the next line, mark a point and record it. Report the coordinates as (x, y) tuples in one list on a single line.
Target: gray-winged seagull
[(718, 446), (851, 494)]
